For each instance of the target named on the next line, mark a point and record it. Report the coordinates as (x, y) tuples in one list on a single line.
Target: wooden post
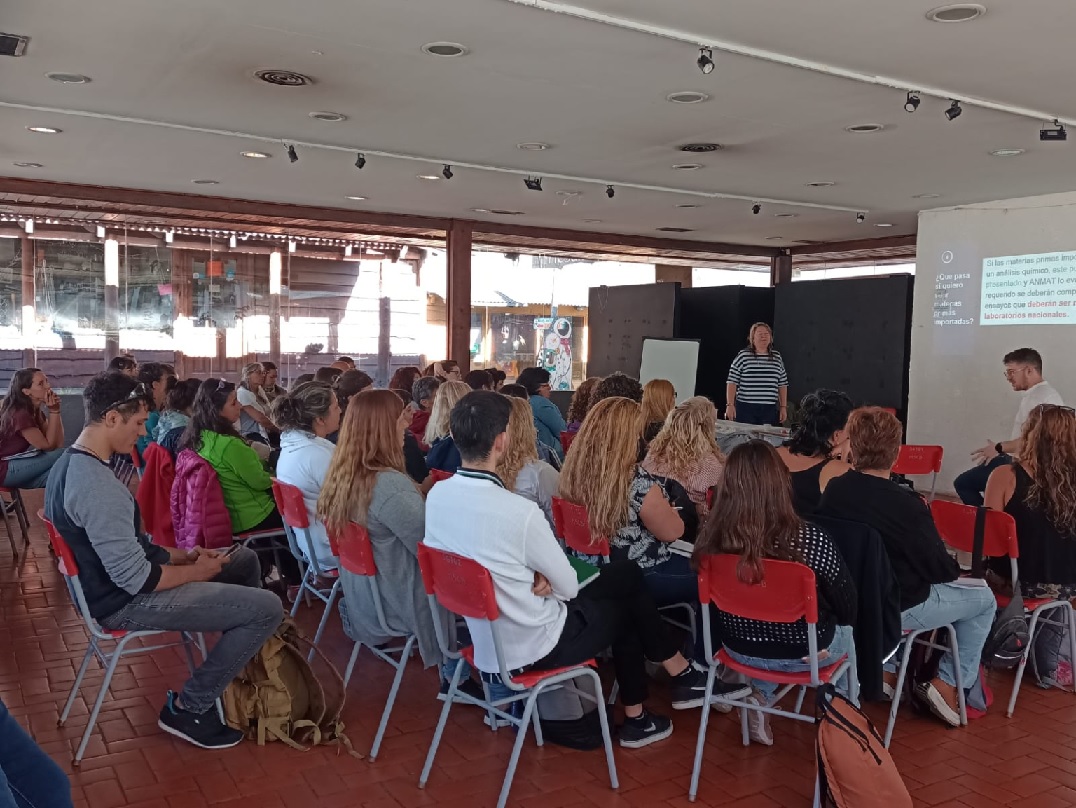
[(780, 269), (29, 310), (458, 302), (112, 300), (384, 331), (276, 280), (670, 273)]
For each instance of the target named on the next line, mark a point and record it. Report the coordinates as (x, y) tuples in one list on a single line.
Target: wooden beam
[(665, 273), (908, 240), (29, 311), (458, 298)]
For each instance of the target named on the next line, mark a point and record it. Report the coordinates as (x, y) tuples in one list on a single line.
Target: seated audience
[(546, 620), (423, 394), (498, 377), (159, 379), (254, 421), (1039, 491), (754, 519), (921, 565), (124, 364), (403, 380), (624, 502), (659, 398), (303, 379), (176, 414), (305, 417), (351, 383), (131, 584), (271, 387), (346, 362), (812, 452), (443, 454), (547, 415), (617, 385), (581, 401), (30, 442), (515, 391), (328, 375), (479, 380), (445, 371), (366, 484), (685, 450), (520, 469)]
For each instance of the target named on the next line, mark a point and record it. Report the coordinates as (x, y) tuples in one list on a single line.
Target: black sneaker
[(689, 688), (648, 728), (468, 686), (206, 731)]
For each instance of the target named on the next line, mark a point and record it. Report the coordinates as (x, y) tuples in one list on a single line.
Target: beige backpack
[(278, 696)]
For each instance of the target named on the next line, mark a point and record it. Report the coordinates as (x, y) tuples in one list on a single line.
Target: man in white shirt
[(546, 621), (1023, 370)]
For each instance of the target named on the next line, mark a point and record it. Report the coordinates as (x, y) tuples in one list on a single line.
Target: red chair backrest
[(711, 492), (919, 459), (60, 547), (573, 525), (956, 524), (354, 550), (290, 503), (461, 585), (439, 475), (566, 439), (891, 410), (787, 591)]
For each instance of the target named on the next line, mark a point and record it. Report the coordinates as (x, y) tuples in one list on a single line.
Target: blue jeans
[(971, 484), (970, 610), (31, 472), (672, 581), (233, 603), (758, 414), (841, 645), (28, 777)]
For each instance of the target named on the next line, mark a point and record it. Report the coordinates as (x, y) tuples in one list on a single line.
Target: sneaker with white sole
[(688, 689), (937, 704), (758, 723), (204, 730), (644, 730)]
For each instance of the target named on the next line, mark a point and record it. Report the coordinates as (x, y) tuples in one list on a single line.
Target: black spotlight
[(954, 111), (360, 161), (293, 156), (1056, 134), (756, 208), (860, 218), (706, 60), (533, 183), (446, 172), (610, 191), (912, 104)]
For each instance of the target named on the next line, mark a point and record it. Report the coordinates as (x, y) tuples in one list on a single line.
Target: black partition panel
[(720, 317), (852, 335), (620, 317)]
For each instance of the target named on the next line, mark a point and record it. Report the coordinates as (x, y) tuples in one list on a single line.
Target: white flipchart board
[(674, 359)]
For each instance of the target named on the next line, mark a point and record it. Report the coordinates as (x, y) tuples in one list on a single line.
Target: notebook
[(584, 570)]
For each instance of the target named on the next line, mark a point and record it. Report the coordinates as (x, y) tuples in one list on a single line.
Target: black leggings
[(617, 610), (289, 566)]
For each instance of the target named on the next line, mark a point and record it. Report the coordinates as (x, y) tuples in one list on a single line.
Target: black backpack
[(1009, 636)]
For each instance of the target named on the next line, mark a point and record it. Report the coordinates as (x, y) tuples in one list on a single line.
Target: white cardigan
[(304, 462)]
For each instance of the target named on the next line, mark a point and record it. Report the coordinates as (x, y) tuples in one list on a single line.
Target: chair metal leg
[(743, 727), (77, 683), (449, 698), (1072, 643), (898, 691), (799, 698), (20, 514), (298, 598), (614, 691), (324, 618), (10, 532), (817, 803), (517, 747), (961, 699), (538, 739), (491, 716), (1032, 625), (696, 770), (607, 738), (392, 697), (351, 663), (109, 671)]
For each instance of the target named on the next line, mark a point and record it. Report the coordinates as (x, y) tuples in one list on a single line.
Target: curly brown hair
[(1048, 454), (582, 399), (686, 438)]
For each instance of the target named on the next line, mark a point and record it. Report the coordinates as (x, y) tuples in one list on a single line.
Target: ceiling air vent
[(676, 230), (700, 148), (283, 78), (13, 44)]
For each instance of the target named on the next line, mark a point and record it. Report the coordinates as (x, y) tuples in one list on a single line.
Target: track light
[(291, 246), (232, 243), (347, 250), (912, 104), (706, 60), (169, 235), (533, 183), (293, 156), (954, 111), (1056, 134), (610, 191), (446, 172), (756, 208), (860, 218), (360, 161), (100, 231)]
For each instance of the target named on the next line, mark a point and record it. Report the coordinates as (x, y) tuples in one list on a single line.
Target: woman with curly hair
[(1039, 491), (520, 468), (813, 452), (582, 399), (685, 450)]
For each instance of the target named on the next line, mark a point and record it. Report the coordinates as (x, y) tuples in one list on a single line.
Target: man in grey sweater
[(131, 584)]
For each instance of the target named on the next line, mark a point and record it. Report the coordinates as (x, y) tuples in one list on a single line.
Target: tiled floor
[(995, 761)]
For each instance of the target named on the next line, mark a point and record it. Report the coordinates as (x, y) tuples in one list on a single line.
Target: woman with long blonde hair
[(366, 484), (625, 503), (685, 450), (659, 399), (520, 468), (443, 454)]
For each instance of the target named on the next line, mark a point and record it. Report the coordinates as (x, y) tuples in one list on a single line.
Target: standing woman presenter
[(757, 390)]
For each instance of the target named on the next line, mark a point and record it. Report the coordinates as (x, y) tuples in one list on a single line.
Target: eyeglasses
[(1050, 407), (139, 392), (1013, 371), (223, 384)]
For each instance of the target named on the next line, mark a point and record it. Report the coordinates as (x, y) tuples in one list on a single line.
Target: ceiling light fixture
[(28, 226), (445, 49), (756, 208), (860, 218), (687, 166), (169, 235), (1006, 152), (954, 111), (347, 250), (68, 78), (356, 198), (429, 177), (256, 155), (687, 205), (293, 156), (28, 165), (232, 242), (785, 215), (360, 161), (1058, 133), (610, 191), (687, 97), (535, 146), (479, 210), (706, 60), (100, 231), (592, 221), (956, 12), (883, 224), (912, 103), (864, 128), (206, 182), (329, 117), (533, 183), (821, 184), (927, 196), (44, 130), (291, 246), (446, 172)]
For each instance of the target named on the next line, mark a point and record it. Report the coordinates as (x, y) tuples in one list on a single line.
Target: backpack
[(1009, 635), (277, 695), (855, 769)]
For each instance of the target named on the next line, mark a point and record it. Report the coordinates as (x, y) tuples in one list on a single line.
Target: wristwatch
[(998, 449)]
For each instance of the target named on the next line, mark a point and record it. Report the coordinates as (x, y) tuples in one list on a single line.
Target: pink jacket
[(199, 516)]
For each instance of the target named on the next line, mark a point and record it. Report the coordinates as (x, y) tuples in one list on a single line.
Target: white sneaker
[(937, 704), (758, 723)]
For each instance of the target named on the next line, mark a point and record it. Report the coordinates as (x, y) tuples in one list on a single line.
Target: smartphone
[(232, 550)]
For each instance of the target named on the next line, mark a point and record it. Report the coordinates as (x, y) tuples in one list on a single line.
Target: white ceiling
[(596, 93)]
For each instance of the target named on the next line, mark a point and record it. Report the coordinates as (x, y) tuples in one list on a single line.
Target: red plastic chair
[(464, 587), (98, 635), (786, 594), (920, 459), (14, 504), (439, 475), (292, 507), (566, 439), (956, 524)]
